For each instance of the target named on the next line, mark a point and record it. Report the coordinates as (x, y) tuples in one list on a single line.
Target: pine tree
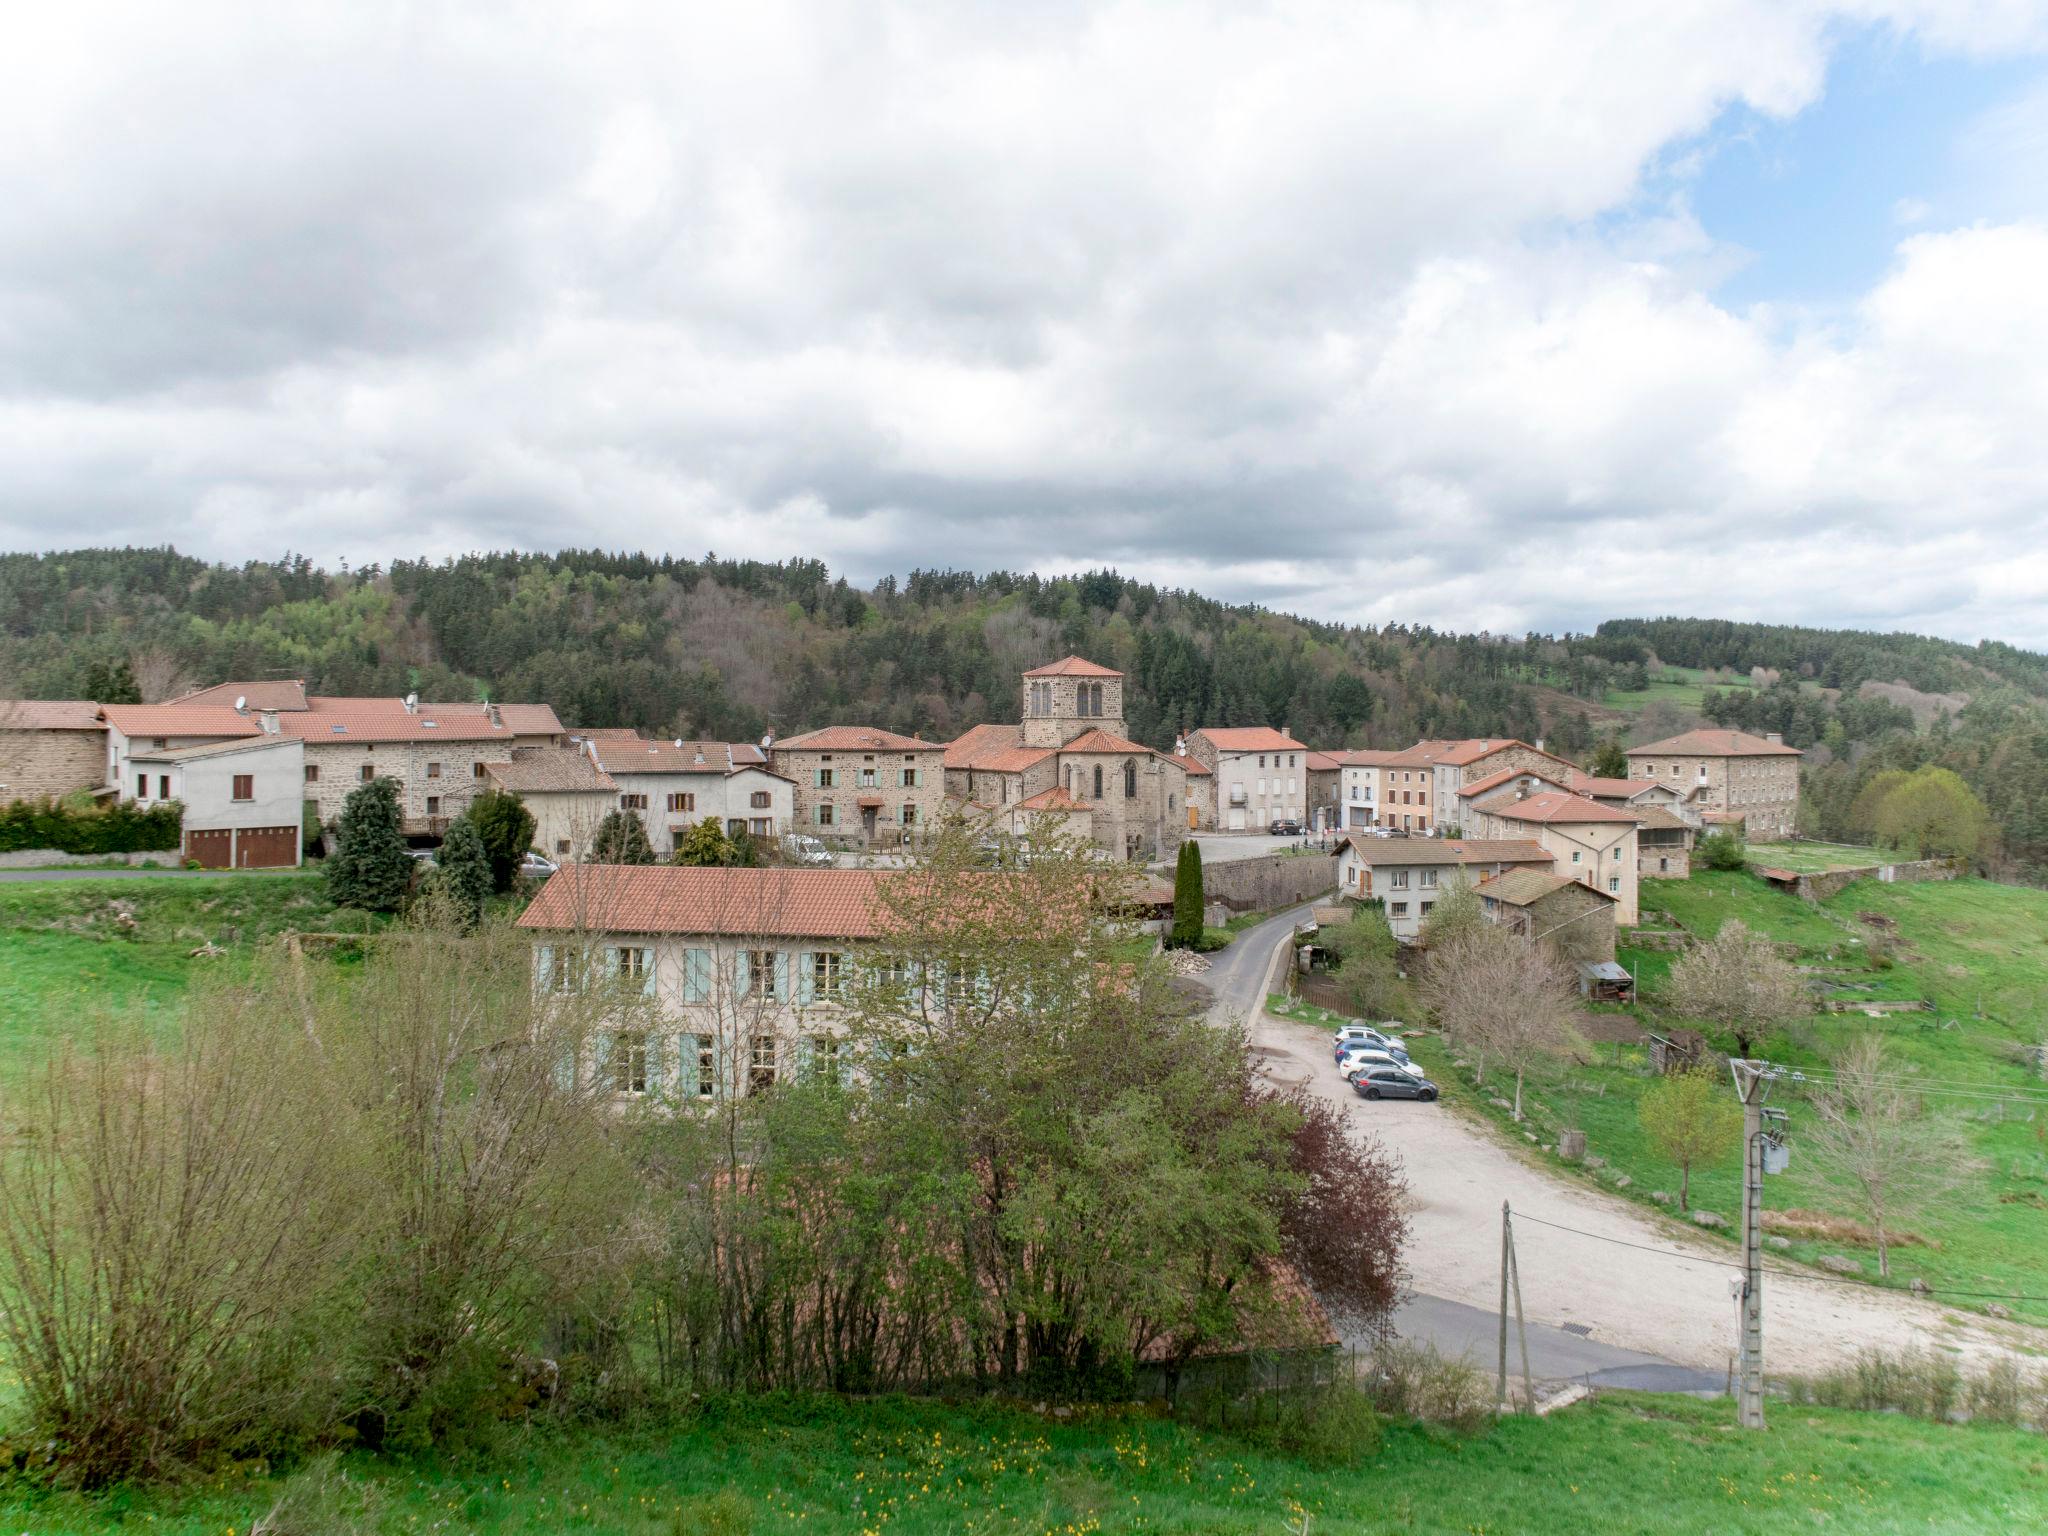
[(371, 869), (465, 872), (621, 838), (1609, 762), (1187, 896), (506, 827), (706, 846)]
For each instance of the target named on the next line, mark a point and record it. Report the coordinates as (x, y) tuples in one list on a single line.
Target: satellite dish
[(412, 701), (679, 743), (241, 703)]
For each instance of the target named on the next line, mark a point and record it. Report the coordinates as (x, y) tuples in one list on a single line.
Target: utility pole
[(1500, 1386), (1751, 1083)]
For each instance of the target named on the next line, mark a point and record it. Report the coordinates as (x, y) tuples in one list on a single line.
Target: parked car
[(1356, 1062), (424, 855), (536, 866), (1284, 828), (1363, 1034), (1391, 1083), (801, 848)]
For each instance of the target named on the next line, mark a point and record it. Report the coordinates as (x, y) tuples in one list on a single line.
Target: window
[(476, 770), (561, 845), (1617, 853), (1426, 907), (1130, 781), (761, 1064), (1398, 908), (825, 815), (633, 964), (433, 770), (1398, 880), (1098, 781), (867, 778), (826, 974), (142, 786), (1674, 770), (758, 799), (632, 802), (762, 977), (1262, 759), (825, 779), (735, 826), (629, 1060), (1576, 856), (909, 813), (369, 772), (909, 779), (682, 801), (707, 1067), (824, 1058), (762, 826), (1428, 881), (433, 805), (1614, 884), (312, 773), (1290, 759)]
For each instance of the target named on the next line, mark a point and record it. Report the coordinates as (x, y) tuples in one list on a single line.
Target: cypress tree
[(1187, 896), (371, 869), (621, 838), (506, 826), (465, 872)]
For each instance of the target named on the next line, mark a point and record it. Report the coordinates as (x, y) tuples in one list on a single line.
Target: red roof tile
[(1395, 851), (1322, 762), (179, 720), (1054, 799), (632, 754), (50, 715), (1714, 744), (854, 738), (269, 693), (1493, 781), (1249, 738), (1193, 765), (979, 740), (1099, 740), (1554, 805), (1586, 784), (550, 770), (1073, 666), (334, 719)]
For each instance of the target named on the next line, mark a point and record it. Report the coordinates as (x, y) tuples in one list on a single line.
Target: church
[(1069, 757)]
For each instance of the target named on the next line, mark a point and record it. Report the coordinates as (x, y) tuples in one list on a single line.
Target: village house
[(1576, 918), (674, 785), (566, 791), (1127, 799), (242, 800), (1325, 779), (1406, 781), (50, 748), (1408, 874), (1201, 787), (1592, 843), (1358, 786), (1261, 775), (1728, 776), (1663, 843), (857, 784)]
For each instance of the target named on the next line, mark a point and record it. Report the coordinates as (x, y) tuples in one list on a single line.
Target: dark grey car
[(1387, 1083)]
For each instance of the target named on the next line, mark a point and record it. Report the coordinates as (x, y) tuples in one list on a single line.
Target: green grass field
[(1684, 686), (1816, 858), (1978, 951), (1626, 1463)]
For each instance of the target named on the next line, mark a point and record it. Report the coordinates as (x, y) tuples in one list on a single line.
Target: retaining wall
[(1820, 887), (1269, 882), (50, 858)]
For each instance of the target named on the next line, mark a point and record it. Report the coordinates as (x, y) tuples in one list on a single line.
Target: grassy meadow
[(1623, 1463), (1806, 858), (1685, 687), (1977, 951)]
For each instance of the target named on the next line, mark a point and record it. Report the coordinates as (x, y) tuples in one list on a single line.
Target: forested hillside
[(733, 648)]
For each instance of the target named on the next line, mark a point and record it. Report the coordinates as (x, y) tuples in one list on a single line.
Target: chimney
[(268, 717), (412, 703), (1539, 743), (1774, 738), (492, 710)]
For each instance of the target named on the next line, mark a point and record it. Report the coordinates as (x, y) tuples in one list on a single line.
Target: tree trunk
[(1884, 1254), (1518, 1094), (1684, 1186)]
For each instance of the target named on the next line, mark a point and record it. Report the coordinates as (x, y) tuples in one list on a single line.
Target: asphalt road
[(1237, 980)]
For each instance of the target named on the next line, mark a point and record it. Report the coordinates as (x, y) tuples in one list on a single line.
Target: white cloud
[(1329, 305)]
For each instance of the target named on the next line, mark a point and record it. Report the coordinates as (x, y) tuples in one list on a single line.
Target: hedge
[(118, 828)]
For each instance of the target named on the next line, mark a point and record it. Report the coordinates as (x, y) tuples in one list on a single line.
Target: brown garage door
[(213, 850), (266, 847)]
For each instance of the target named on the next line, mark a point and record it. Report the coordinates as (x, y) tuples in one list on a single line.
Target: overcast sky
[(1494, 316)]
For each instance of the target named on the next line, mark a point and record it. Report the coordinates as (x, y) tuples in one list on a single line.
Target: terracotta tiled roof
[(1525, 887), (1361, 757), (50, 715), (1613, 789), (1323, 762), (1423, 754), (1493, 781), (854, 738), (1249, 738), (1054, 799), (607, 733), (979, 740), (1073, 666), (333, 719), (1553, 805), (661, 898), (272, 693), (1657, 818), (632, 754), (1379, 851), (1714, 744), (550, 770), (1193, 765), (1470, 750), (1011, 760), (1099, 740), (180, 720), (1723, 818)]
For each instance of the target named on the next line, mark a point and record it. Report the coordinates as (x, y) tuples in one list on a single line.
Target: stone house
[(1591, 842), (1261, 775), (1455, 765), (1201, 788), (50, 748), (674, 785), (565, 789), (1325, 780), (1408, 873), (1070, 738), (243, 800), (856, 784), (1727, 775), (1664, 842), (1575, 918)]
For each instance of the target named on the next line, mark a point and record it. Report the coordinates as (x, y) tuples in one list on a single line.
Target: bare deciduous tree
[(1737, 979), (1494, 991), (1873, 1139)]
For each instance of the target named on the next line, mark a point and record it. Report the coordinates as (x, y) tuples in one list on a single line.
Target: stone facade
[(47, 763), (1574, 919), (1591, 843), (1408, 874), (1261, 775), (863, 787), (674, 785), (1730, 773)]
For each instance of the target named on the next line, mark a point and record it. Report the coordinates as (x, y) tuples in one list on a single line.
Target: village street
[(1642, 1308)]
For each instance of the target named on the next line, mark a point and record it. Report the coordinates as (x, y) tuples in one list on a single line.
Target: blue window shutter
[(806, 988), (782, 976), (742, 974), (696, 975), (647, 973), (658, 1047), (544, 965)]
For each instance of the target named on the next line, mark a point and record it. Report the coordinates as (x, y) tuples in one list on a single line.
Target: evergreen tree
[(706, 846), (465, 872), (506, 826), (621, 839), (112, 682), (1187, 896), (1609, 762), (371, 868)]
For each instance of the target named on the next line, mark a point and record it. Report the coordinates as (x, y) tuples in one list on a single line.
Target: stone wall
[(48, 765), (50, 858), (1820, 887), (1274, 881)]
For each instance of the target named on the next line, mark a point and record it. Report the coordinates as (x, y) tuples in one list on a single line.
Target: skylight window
[(337, 729), (428, 725)]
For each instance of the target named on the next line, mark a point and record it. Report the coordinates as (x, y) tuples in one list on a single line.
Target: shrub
[(1414, 1381), (121, 827), (1721, 850), (621, 838), (506, 826), (370, 869), (1930, 1385), (465, 873)]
